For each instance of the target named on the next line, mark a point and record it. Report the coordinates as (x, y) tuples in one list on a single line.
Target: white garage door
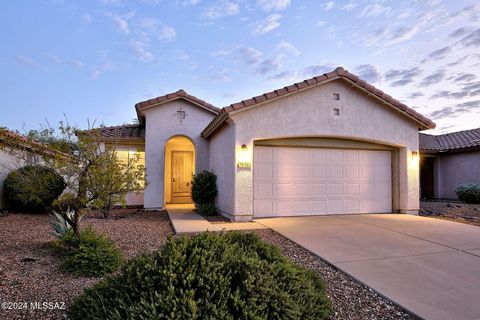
[(315, 181)]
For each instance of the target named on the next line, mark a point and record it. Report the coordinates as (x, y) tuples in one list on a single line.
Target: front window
[(129, 154)]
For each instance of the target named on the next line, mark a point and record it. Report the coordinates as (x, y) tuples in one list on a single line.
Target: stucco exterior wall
[(7, 163), (455, 169), (222, 163), (161, 125), (310, 113)]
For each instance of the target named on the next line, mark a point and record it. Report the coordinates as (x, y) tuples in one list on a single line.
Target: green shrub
[(90, 254), (32, 188), (208, 276), (470, 192), (67, 201), (204, 188), (207, 209)]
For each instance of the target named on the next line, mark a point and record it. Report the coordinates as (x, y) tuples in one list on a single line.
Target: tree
[(91, 169)]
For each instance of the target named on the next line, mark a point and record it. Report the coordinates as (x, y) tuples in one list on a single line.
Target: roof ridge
[(121, 126), (455, 132)]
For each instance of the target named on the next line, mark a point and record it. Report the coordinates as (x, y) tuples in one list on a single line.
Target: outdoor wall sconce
[(244, 157)]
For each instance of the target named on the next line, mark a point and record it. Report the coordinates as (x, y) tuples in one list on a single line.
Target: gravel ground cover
[(30, 273), (351, 300), (454, 211)]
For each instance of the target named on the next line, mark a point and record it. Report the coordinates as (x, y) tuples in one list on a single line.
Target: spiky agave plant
[(59, 224)]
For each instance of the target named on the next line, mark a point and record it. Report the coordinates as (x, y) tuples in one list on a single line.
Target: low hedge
[(470, 192), (208, 276), (91, 254)]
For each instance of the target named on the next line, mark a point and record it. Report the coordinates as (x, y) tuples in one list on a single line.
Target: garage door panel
[(283, 155), (263, 172), (335, 172), (335, 189), (319, 156), (350, 156), (334, 156), (350, 173), (291, 189), (318, 207), (351, 189), (313, 181), (291, 172), (263, 155), (319, 172), (264, 190), (319, 189)]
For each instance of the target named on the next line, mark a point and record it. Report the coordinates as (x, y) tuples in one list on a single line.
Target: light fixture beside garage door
[(244, 157)]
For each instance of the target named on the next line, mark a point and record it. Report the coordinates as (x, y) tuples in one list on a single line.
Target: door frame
[(171, 173)]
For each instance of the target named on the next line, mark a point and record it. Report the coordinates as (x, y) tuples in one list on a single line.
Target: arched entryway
[(179, 169)]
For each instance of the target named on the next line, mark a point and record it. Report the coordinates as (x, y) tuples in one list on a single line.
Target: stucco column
[(409, 181), (154, 163), (244, 182)]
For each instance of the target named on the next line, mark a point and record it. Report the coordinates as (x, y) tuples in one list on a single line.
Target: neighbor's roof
[(454, 141), (180, 94), (338, 73), (123, 132), (7, 134)]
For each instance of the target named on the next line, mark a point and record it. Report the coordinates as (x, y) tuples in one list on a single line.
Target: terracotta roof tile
[(260, 98), (301, 85), (127, 131), (331, 74), (321, 78), (337, 73), (453, 141), (271, 94)]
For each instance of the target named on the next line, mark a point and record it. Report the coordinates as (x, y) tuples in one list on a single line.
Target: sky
[(90, 61)]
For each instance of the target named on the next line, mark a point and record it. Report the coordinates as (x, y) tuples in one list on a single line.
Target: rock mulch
[(30, 273), (350, 299), (454, 211)]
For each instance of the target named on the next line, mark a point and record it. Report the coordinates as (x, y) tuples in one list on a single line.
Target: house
[(447, 161), (331, 144)]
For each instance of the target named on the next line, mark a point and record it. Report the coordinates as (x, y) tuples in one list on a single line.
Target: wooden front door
[(182, 174)]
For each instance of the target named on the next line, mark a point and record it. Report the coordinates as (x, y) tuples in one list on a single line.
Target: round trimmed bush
[(90, 254), (208, 276), (32, 188), (470, 192)]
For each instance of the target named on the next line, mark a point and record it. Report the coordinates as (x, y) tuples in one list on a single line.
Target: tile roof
[(126, 131), (4, 133), (335, 74), (454, 141), (180, 94)]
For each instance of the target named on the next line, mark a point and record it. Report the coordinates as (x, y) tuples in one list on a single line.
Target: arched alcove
[(179, 169)]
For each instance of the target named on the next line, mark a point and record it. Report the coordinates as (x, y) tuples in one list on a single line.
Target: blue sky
[(95, 59)]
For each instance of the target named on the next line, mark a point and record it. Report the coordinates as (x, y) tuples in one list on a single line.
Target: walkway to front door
[(185, 220), (430, 267)]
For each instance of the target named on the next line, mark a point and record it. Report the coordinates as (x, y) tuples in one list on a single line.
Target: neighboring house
[(331, 144), (447, 161)]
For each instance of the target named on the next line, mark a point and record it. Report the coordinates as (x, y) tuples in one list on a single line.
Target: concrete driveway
[(429, 266)]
